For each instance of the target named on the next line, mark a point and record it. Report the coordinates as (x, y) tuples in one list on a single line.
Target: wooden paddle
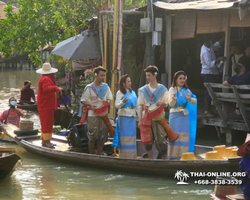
[(5, 121), (72, 120)]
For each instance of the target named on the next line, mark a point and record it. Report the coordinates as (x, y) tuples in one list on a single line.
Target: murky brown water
[(40, 178)]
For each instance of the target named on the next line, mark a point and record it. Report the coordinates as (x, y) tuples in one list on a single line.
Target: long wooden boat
[(6, 138), (8, 160), (31, 107), (159, 167)]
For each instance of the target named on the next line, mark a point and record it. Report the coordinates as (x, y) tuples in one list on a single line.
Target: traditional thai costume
[(181, 114), (47, 103), (125, 133), (97, 128), (148, 96)]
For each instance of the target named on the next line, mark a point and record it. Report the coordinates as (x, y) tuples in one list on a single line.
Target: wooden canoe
[(31, 107), (8, 160), (146, 166)]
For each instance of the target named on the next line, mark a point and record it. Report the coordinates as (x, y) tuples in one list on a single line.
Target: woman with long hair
[(180, 98), (125, 132)]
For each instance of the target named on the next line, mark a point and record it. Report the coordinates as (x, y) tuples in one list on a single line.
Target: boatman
[(47, 102), (27, 94), (96, 97), (152, 99)]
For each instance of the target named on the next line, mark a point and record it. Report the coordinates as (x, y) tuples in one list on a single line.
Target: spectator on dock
[(236, 54), (210, 69), (245, 60), (27, 94), (242, 77), (244, 151), (12, 115)]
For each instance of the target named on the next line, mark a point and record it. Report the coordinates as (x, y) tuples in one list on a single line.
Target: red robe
[(47, 102)]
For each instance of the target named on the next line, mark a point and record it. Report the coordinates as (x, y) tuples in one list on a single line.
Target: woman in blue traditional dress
[(180, 100), (125, 133)]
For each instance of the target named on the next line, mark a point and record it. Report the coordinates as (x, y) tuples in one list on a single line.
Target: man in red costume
[(47, 101)]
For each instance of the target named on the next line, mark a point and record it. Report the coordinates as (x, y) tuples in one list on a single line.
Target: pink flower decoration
[(80, 77)]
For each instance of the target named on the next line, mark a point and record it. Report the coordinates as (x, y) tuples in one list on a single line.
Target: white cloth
[(142, 101), (90, 96), (235, 59), (208, 58), (123, 111)]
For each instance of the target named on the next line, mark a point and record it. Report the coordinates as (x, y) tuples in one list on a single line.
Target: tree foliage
[(40, 22)]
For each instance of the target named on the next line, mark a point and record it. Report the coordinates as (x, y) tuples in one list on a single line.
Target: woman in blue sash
[(181, 118), (125, 133)]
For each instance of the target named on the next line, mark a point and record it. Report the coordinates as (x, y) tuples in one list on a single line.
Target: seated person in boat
[(179, 120), (96, 98), (244, 151), (152, 99), (241, 78), (13, 114), (125, 133), (27, 94), (66, 99)]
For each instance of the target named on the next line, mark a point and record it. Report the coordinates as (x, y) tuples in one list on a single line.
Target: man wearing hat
[(27, 94), (47, 101), (244, 151)]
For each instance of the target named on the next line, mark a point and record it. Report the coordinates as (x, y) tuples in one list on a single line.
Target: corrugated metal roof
[(196, 5)]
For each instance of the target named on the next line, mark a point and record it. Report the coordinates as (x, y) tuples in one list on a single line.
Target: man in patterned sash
[(153, 93), (93, 96)]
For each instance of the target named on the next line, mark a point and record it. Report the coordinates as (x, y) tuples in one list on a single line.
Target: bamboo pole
[(112, 106), (106, 47)]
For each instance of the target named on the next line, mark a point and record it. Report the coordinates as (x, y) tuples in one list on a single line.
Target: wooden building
[(185, 24)]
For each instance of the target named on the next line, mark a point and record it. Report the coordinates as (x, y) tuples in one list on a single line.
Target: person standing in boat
[(154, 95), (47, 102), (125, 133), (179, 98), (244, 151), (13, 114), (27, 94), (96, 98)]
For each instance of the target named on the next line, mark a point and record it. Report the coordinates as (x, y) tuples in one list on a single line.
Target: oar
[(5, 121), (60, 95), (72, 121)]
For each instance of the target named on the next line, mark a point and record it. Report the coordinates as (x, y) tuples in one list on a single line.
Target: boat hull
[(7, 164), (143, 166), (32, 107)]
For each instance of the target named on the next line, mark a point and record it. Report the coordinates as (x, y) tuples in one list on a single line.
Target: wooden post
[(168, 49), (227, 48), (150, 53), (226, 54)]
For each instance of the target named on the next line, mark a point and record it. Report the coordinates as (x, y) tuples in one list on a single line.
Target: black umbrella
[(83, 46)]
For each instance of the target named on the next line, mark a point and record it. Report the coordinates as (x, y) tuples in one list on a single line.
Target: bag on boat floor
[(77, 136)]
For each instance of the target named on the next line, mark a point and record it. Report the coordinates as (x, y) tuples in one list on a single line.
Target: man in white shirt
[(210, 69), (93, 96)]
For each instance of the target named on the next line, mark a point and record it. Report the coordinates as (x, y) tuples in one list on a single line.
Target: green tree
[(40, 22)]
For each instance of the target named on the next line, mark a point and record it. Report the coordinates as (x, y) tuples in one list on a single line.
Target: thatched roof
[(2, 13)]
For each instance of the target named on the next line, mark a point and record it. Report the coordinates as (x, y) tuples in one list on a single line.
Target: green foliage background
[(40, 22)]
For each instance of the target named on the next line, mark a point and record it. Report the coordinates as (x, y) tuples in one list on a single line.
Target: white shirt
[(90, 96), (208, 58), (123, 111), (143, 101)]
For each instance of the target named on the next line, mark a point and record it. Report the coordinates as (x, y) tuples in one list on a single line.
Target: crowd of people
[(148, 107)]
